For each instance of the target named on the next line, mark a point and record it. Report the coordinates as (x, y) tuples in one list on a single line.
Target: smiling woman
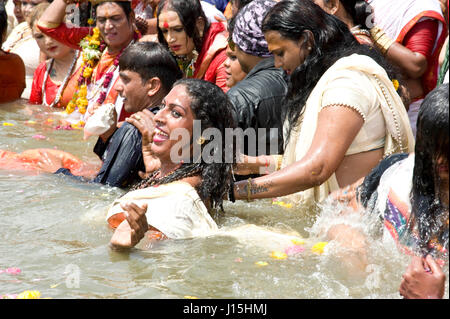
[(94, 81), (176, 201)]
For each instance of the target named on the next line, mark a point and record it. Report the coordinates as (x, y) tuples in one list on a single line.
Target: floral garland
[(91, 53), (186, 66)]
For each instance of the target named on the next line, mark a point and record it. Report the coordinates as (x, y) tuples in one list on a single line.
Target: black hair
[(332, 40), (125, 5), (230, 27), (432, 142), (359, 10), (212, 107), (3, 21), (151, 59), (188, 11)]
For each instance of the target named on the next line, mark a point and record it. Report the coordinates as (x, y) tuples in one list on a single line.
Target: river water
[(53, 229)]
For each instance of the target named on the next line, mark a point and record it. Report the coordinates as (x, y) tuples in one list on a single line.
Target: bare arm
[(55, 13), (412, 63), (337, 127)]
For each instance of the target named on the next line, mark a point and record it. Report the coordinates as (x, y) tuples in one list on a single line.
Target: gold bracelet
[(249, 189), (381, 40)]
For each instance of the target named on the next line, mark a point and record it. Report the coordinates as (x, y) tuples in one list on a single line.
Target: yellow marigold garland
[(91, 53)]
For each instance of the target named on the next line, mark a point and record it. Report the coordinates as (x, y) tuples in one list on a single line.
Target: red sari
[(51, 88), (210, 62)]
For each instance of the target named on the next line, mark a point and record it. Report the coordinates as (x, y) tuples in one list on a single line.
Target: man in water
[(147, 73)]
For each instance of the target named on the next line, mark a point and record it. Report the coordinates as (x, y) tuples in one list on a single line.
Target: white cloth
[(211, 12), (393, 16), (12, 21), (175, 209)]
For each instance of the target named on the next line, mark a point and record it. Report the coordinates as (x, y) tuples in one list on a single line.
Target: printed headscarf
[(247, 34)]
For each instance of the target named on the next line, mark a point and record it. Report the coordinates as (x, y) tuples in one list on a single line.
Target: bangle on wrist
[(381, 40)]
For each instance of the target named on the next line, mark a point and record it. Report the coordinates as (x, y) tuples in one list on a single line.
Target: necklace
[(187, 66), (62, 86), (356, 30)]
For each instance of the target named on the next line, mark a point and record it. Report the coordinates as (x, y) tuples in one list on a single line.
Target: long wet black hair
[(332, 41), (188, 11), (212, 107), (432, 142)]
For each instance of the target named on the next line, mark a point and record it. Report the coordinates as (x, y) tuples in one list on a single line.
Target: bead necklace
[(63, 84), (187, 66)]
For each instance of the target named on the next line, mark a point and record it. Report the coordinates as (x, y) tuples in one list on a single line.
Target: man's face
[(133, 90)]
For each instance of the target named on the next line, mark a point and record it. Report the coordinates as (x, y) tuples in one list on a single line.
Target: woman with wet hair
[(343, 111), (198, 45), (355, 14), (410, 194), (176, 200)]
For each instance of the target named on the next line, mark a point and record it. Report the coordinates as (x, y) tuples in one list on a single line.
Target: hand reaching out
[(423, 279)]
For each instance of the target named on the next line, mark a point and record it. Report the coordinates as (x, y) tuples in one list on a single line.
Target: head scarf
[(247, 34)]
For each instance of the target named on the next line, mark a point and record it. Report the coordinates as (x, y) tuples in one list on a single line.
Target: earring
[(201, 140)]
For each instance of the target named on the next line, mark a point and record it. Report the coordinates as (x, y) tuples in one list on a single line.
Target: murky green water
[(54, 230)]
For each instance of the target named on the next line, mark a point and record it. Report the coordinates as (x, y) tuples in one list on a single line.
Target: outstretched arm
[(337, 127)]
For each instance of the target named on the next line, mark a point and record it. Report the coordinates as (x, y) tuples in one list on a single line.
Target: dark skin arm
[(130, 232), (321, 160)]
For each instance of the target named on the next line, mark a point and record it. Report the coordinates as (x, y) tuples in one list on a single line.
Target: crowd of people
[(342, 99)]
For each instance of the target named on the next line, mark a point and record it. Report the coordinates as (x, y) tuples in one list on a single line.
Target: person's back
[(256, 100), (12, 77)]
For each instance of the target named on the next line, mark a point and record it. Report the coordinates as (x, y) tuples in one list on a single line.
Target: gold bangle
[(249, 189), (381, 40)]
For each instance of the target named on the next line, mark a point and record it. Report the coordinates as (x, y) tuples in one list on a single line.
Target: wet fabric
[(121, 156), (257, 104), (175, 209)]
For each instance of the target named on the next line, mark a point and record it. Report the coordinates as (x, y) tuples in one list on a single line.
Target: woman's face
[(51, 48), (28, 5), (233, 68), (175, 113), (115, 28), (18, 11), (173, 31), (288, 54)]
